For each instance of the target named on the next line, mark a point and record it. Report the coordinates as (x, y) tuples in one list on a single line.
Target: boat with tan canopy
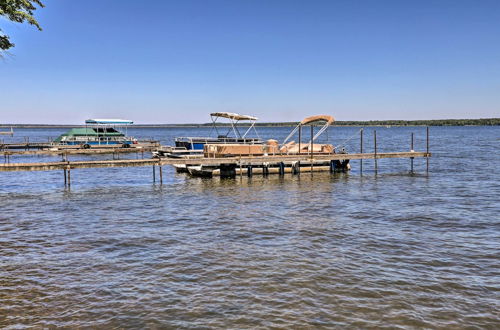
[(292, 147), (272, 147)]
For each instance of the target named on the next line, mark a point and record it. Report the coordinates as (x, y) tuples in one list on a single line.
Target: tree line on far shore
[(435, 122)]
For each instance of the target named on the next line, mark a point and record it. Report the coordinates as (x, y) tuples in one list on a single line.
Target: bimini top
[(233, 116), (109, 122), (317, 119)]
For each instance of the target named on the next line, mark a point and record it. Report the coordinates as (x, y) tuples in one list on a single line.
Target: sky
[(162, 61)]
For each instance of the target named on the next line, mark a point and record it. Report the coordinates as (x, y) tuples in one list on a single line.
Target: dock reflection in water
[(305, 251)]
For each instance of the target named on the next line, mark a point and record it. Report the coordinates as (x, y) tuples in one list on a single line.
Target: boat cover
[(233, 116), (225, 150), (109, 121), (316, 119)]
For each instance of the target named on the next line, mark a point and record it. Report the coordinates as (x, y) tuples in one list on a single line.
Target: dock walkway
[(67, 165)]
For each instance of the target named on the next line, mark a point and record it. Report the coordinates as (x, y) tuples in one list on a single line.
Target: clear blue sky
[(175, 61)]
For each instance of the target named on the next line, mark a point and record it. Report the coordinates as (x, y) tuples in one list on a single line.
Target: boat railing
[(227, 140)]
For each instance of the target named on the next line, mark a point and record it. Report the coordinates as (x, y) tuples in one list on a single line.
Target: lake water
[(312, 251)]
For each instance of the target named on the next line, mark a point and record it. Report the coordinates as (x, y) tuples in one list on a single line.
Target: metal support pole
[(411, 149), (361, 150), (161, 174), (427, 158), (375, 148), (69, 176), (300, 137), (154, 173), (65, 178), (312, 147)]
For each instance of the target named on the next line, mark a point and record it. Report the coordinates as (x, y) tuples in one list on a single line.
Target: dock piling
[(411, 150), (375, 149), (361, 150), (312, 148), (300, 137), (427, 150), (69, 175)]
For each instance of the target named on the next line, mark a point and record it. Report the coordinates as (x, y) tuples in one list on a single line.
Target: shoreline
[(376, 123)]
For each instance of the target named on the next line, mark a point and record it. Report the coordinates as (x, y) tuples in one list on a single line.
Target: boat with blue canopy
[(98, 132)]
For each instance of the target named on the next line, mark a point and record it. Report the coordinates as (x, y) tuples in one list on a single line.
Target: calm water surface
[(330, 250)]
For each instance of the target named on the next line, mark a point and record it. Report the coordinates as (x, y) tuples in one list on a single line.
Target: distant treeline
[(434, 122)]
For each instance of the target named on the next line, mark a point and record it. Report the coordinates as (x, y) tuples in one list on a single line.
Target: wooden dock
[(80, 151), (239, 165), (224, 166), (62, 165)]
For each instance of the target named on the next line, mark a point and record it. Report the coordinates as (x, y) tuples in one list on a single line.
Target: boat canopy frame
[(108, 123), (325, 120), (234, 118)]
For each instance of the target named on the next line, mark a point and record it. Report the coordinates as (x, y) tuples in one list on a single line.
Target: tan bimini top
[(317, 119), (233, 116)]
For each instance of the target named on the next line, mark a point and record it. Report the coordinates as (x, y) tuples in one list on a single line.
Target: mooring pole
[(375, 147), (65, 179), (427, 158), (69, 176), (161, 173), (411, 149), (300, 137), (361, 150), (312, 147), (154, 173)]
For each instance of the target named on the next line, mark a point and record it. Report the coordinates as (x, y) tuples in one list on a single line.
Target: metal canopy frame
[(312, 121), (105, 123), (234, 119)]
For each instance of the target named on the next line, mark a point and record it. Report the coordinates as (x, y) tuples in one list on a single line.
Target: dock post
[(241, 169), (65, 178), (161, 173), (281, 168), (249, 170), (427, 158), (411, 149), (332, 166), (300, 137), (375, 148), (69, 176), (312, 147), (361, 150), (154, 174)]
